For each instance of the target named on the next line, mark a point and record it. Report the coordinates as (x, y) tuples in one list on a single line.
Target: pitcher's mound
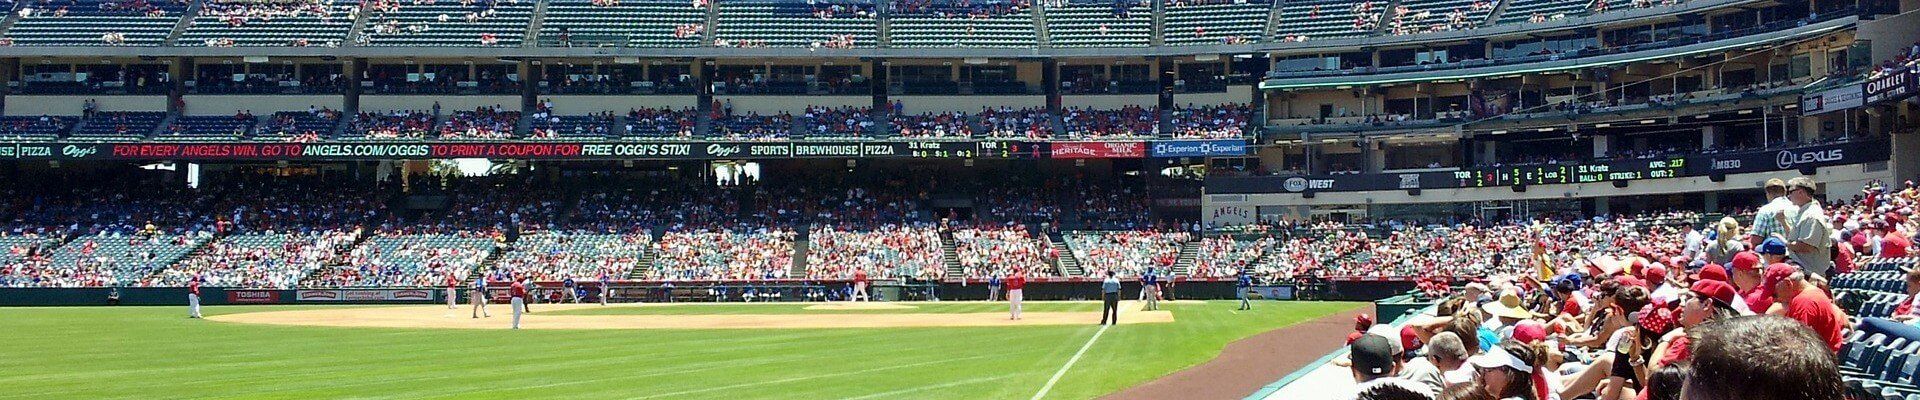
[(854, 306)]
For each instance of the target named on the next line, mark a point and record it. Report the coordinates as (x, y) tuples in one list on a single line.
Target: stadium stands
[(625, 23), (299, 23), (1211, 122), (992, 251), (35, 127), (1098, 23), (1226, 256), (661, 123), (299, 126), (480, 124), (1129, 122), (753, 126), (266, 261), (1209, 22), (395, 258), (95, 22), (209, 127), (885, 252), (480, 23), (1327, 19), (973, 24), (390, 126), (933, 125), (723, 254), (1126, 253), (1025, 123), (838, 121), (118, 125), (840, 24), (555, 256)]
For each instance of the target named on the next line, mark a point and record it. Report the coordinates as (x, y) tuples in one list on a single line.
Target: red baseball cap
[(1630, 280), (1529, 331), (1711, 272), (1362, 322), (1746, 261), (1654, 276), (1719, 291), (1776, 273)]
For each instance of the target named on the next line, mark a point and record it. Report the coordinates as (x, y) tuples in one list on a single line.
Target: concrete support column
[(1376, 156), (1489, 151), (1602, 144), (1712, 136), (1600, 206), (1710, 201), (350, 101)]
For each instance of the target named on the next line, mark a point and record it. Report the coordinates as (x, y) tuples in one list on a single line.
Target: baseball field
[(594, 352)]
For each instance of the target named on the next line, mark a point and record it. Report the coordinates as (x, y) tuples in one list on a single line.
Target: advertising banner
[(411, 294), (1070, 150), (253, 296), (561, 151), (1200, 148), (1836, 99), (317, 295), (1894, 86)]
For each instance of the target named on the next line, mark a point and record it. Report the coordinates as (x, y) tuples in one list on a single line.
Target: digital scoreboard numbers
[(941, 149), (1582, 173), (1008, 149)]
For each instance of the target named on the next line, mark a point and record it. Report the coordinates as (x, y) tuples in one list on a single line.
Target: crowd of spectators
[(558, 255), (724, 254), (753, 126), (1126, 122), (661, 122), (481, 123), (408, 258), (992, 251), (393, 125), (884, 252), (1022, 123), (1211, 122), (838, 121), (933, 125), (1127, 253)]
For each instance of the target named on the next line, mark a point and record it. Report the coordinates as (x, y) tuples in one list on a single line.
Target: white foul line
[(1070, 361)]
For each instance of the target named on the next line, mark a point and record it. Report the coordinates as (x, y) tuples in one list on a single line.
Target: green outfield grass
[(790, 308), (158, 353)]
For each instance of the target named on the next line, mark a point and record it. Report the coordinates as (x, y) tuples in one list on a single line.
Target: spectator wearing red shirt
[(1894, 244), (1901, 322), (1015, 284), (1809, 305), (519, 293)]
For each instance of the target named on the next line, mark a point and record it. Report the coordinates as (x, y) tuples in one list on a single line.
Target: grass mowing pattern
[(156, 352), (789, 308)]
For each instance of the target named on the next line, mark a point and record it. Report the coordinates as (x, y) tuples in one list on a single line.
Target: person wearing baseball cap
[(1706, 301), (1511, 370), (1663, 291), (1762, 299), (1376, 368), (1800, 300), (1444, 352)]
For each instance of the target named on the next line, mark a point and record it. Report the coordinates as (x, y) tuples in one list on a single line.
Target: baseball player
[(526, 284), (193, 297), (452, 284), (1015, 286), (479, 299), (1245, 284), (519, 293), (860, 286), (606, 287), (1150, 288), (572, 292), (993, 287)]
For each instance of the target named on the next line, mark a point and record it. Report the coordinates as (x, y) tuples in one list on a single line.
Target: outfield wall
[(625, 292)]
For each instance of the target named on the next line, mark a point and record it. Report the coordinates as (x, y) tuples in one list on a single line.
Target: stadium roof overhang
[(1308, 47), (1795, 33)]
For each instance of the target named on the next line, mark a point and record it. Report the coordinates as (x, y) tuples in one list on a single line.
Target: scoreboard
[(1624, 170)]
